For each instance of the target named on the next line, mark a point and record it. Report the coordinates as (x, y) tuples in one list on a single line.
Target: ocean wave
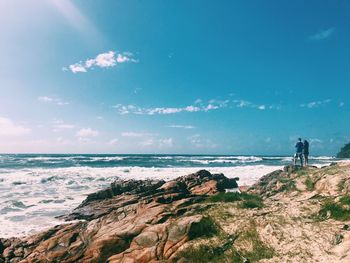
[(321, 158), (66, 188)]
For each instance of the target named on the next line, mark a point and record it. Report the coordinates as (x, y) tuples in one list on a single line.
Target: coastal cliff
[(290, 215)]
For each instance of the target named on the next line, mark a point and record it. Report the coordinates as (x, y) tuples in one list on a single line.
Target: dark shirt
[(299, 147), (306, 147)]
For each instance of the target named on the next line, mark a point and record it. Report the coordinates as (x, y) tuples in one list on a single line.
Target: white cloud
[(197, 107), (86, 132), (60, 125), (122, 58), (148, 142), (132, 109), (248, 104), (103, 60), (10, 128), (77, 68), (315, 104), (324, 34), (166, 142), (135, 134), (52, 100), (242, 103), (181, 126)]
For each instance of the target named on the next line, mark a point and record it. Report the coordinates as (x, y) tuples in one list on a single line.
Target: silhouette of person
[(299, 147), (306, 152)]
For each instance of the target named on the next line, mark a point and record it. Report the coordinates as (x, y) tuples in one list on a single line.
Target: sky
[(166, 76)]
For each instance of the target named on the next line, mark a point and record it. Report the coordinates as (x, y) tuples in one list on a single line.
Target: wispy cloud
[(181, 126), (9, 128), (162, 143), (315, 104), (86, 132), (166, 142), (59, 125), (132, 109), (104, 60), (135, 134), (56, 101), (322, 35), (247, 104)]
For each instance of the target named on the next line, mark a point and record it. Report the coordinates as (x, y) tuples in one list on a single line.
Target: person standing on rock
[(299, 148), (306, 152)]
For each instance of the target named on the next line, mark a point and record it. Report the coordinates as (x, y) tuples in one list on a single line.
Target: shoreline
[(134, 210), (248, 174)]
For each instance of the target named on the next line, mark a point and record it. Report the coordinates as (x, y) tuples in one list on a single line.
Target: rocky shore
[(290, 215)]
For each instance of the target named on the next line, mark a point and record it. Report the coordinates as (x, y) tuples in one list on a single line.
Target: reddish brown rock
[(131, 221)]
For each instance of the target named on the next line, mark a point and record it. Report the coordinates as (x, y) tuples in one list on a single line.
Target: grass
[(248, 200), (310, 185), (253, 203), (336, 210), (225, 197), (258, 250), (201, 253), (345, 200), (301, 172), (204, 228), (288, 186)]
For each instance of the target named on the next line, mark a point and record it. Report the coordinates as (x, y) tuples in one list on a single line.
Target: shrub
[(345, 200), (252, 203), (225, 197), (204, 228), (337, 211), (259, 249), (310, 185), (200, 254), (248, 200)]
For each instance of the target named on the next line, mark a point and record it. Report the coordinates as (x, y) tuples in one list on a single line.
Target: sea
[(36, 188)]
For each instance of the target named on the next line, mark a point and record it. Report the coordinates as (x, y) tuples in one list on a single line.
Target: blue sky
[(155, 76)]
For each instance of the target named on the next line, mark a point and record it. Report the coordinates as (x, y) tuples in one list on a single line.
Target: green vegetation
[(335, 210), (206, 253), (301, 172), (344, 152), (252, 203), (200, 254), (248, 200), (310, 185), (225, 197), (345, 200), (259, 249), (204, 228), (288, 185)]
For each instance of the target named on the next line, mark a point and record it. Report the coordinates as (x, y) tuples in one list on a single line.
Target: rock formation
[(131, 221), (290, 215)]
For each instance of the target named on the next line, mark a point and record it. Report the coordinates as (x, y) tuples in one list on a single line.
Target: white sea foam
[(31, 198)]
